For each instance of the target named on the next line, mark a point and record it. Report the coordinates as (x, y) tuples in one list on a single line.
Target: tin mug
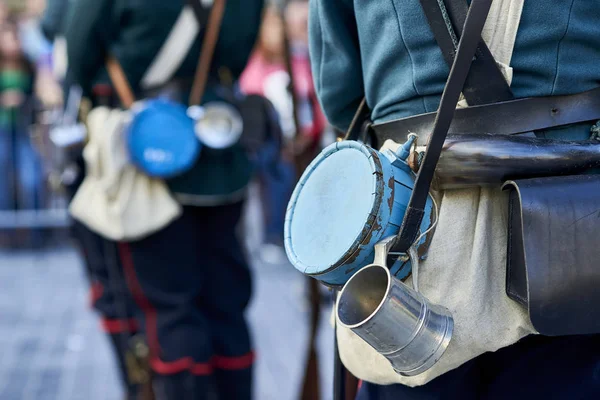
[(394, 319)]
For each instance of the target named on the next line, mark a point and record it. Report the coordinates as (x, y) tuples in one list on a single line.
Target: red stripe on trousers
[(216, 362), (96, 291), (234, 363), (119, 325), (181, 365), (142, 301)]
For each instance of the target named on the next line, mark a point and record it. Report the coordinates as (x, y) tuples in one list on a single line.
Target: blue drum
[(348, 199), (161, 139)]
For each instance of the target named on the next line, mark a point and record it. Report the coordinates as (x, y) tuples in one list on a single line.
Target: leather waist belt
[(505, 118)]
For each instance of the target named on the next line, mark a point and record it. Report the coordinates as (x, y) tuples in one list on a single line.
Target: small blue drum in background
[(348, 199), (161, 139)]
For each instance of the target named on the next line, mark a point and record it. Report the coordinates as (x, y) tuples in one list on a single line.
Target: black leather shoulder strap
[(485, 83), (467, 47), (362, 116)]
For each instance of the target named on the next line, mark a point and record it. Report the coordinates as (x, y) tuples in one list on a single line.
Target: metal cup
[(394, 319)]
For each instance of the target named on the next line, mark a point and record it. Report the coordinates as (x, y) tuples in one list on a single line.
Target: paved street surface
[(51, 347)]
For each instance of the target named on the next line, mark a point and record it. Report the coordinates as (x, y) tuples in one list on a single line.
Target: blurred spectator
[(20, 187), (14, 6), (36, 47), (39, 50), (35, 8), (267, 75), (53, 23), (3, 12)]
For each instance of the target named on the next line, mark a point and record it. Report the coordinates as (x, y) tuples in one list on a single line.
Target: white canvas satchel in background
[(116, 200)]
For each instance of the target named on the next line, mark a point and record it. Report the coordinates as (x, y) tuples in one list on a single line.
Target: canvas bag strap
[(485, 82), (123, 88), (175, 48), (211, 35), (120, 82)]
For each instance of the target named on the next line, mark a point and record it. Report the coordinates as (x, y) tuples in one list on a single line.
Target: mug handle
[(382, 249)]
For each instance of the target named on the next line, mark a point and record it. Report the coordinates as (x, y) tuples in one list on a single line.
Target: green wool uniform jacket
[(134, 31), (385, 50)]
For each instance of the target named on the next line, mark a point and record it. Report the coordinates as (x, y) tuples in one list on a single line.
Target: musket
[(487, 159)]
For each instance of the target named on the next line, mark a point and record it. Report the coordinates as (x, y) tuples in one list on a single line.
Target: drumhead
[(332, 207), (161, 139)]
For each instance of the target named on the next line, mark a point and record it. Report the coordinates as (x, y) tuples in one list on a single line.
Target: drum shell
[(392, 194), (161, 139)]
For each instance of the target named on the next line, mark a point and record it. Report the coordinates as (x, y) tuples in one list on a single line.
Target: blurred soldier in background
[(191, 279)]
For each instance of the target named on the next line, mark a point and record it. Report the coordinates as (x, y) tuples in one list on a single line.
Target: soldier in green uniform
[(190, 280)]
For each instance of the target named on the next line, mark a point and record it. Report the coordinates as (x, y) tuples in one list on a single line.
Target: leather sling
[(485, 83), (504, 118), (467, 47), (122, 86)]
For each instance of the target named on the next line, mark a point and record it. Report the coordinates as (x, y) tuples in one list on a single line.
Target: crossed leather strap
[(467, 48), (211, 35)]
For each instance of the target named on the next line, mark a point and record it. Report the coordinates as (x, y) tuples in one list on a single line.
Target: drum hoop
[(375, 161)]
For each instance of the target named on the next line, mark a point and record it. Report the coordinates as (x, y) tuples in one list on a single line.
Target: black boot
[(183, 386), (234, 385), (120, 348)]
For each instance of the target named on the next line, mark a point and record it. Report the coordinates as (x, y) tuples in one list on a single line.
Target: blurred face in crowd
[(271, 34), (3, 12), (296, 16), (35, 8), (10, 48)]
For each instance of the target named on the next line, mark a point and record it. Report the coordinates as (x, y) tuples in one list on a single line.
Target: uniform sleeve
[(238, 35), (53, 18), (250, 40), (335, 59), (88, 36)]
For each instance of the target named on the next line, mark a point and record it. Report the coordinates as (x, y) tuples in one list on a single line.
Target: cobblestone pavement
[(51, 347)]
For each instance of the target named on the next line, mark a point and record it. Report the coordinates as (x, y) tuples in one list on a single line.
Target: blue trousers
[(21, 178), (109, 296), (558, 368), (277, 178), (108, 292), (192, 284)]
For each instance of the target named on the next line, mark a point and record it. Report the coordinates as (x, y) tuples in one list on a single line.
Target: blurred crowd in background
[(33, 93), (38, 176), (29, 89)]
